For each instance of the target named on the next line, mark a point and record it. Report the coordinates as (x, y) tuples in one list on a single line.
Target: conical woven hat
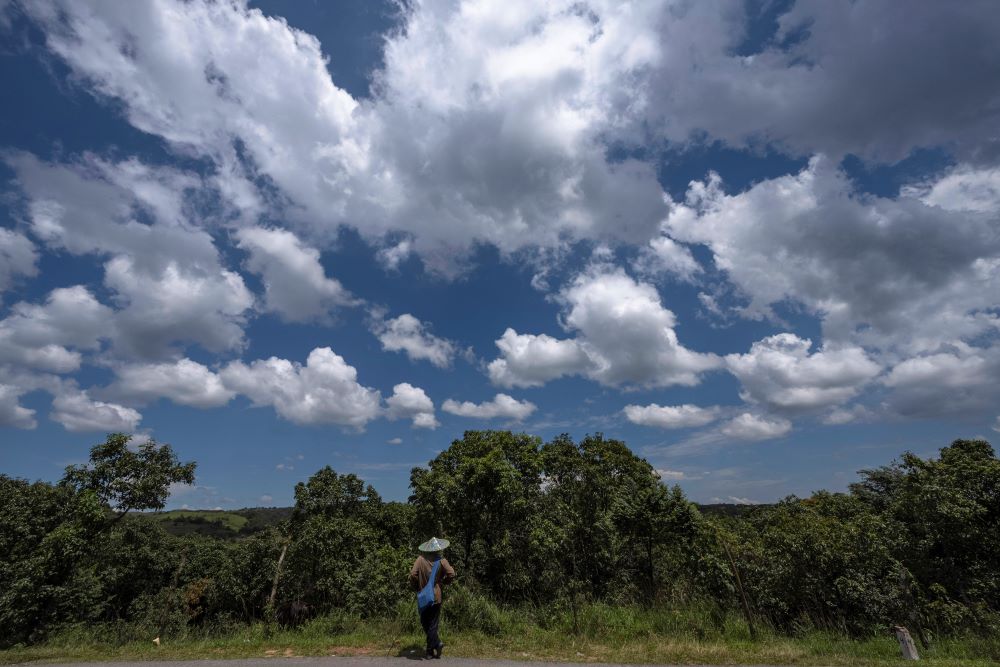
[(434, 544)]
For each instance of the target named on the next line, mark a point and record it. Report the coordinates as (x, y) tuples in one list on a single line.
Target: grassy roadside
[(390, 638)]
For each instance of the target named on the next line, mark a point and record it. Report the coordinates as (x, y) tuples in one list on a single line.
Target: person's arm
[(449, 572), (415, 576)]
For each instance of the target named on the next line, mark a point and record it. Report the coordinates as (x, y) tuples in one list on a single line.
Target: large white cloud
[(184, 382), (780, 373), (408, 334), (77, 412), (409, 402), (956, 380), (670, 416), (500, 406), (323, 391), (530, 360), (49, 336), (295, 284), (624, 336), (177, 305)]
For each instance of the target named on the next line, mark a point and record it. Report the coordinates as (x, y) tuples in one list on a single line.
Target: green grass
[(606, 634)]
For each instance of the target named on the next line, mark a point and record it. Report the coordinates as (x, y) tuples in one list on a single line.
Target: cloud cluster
[(524, 125), (490, 121), (878, 271), (165, 274)]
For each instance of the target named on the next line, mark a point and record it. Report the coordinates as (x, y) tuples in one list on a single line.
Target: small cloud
[(299, 457), (394, 441), (501, 407), (670, 474), (733, 500), (266, 498), (996, 425), (284, 466)]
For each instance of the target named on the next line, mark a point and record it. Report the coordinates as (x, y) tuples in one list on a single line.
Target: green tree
[(46, 575), (614, 517), (128, 479), (341, 554), (948, 510), (482, 493)]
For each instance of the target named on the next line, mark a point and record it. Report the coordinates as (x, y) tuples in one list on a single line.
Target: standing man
[(430, 571)]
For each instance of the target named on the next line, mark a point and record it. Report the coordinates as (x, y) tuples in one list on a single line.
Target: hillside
[(220, 524)]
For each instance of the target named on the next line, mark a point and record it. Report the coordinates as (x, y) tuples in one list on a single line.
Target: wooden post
[(906, 644)]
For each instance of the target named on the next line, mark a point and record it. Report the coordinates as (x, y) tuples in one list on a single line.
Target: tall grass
[(474, 626)]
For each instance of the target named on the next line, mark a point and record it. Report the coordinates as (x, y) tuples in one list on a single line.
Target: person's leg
[(433, 641), (425, 622)]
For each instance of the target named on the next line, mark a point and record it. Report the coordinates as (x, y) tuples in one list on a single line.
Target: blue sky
[(759, 243)]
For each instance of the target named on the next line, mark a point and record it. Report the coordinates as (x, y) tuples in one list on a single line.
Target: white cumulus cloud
[(409, 402), (323, 391), (780, 373), (184, 382), (624, 336), (408, 334), (530, 360)]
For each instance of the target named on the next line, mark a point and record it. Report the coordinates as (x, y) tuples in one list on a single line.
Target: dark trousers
[(429, 619)]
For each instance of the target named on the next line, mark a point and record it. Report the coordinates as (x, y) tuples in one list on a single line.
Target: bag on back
[(425, 598)]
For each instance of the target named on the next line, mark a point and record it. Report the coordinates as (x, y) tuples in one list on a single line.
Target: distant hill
[(220, 524), (234, 524), (726, 509)]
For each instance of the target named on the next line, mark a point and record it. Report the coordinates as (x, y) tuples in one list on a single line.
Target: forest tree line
[(546, 527)]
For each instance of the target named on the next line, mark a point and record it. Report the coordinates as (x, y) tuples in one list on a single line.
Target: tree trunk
[(744, 602), (274, 583)]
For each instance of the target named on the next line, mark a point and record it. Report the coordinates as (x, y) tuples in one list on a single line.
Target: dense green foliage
[(549, 528)]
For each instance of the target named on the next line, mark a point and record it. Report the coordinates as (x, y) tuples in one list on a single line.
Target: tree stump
[(906, 644)]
